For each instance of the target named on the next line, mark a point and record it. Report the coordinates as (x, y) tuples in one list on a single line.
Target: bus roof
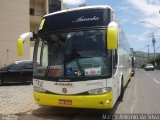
[(77, 18), (80, 8)]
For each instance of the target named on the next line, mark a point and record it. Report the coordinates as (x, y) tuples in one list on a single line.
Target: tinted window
[(28, 66), (20, 66), (16, 67), (54, 5)]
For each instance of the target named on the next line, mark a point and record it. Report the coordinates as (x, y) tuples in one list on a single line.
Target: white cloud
[(74, 2), (141, 37), (149, 10), (154, 2), (145, 7), (152, 21)]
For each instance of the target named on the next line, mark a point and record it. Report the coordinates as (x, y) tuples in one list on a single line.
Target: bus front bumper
[(104, 101)]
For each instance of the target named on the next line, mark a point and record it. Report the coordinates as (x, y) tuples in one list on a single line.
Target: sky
[(138, 19)]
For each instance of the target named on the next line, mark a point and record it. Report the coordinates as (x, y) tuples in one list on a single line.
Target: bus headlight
[(100, 91), (39, 89)]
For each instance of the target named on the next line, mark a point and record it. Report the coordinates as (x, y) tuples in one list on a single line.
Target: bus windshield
[(74, 54)]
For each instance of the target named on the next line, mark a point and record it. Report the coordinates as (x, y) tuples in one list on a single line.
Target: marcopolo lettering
[(63, 83), (83, 19)]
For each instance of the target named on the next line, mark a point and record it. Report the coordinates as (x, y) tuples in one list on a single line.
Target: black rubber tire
[(1, 81), (122, 92), (132, 75)]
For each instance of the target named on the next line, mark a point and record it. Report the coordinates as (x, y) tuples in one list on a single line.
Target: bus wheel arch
[(120, 98)]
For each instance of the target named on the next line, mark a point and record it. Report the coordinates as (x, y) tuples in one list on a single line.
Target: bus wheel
[(122, 91), (132, 75), (1, 81)]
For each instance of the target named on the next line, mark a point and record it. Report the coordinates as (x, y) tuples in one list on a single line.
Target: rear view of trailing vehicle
[(149, 67)]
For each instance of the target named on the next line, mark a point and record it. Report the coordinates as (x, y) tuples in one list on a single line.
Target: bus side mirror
[(21, 40), (112, 36)]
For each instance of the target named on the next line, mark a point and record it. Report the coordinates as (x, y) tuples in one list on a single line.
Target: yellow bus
[(84, 58)]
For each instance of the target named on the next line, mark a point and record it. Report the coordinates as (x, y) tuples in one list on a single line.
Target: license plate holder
[(65, 102)]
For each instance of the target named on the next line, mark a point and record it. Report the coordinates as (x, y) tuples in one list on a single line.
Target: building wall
[(14, 20), (41, 8)]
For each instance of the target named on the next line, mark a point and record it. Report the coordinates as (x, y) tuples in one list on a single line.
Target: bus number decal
[(38, 83)]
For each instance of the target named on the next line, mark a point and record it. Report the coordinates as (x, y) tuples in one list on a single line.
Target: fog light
[(107, 102)]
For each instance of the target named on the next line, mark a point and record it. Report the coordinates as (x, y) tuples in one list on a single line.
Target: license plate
[(65, 102)]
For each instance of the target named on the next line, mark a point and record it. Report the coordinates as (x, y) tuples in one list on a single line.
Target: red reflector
[(65, 102)]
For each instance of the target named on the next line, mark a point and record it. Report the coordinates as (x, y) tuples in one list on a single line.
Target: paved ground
[(16, 99), (141, 97)]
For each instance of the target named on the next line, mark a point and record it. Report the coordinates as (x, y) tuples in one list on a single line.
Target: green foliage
[(144, 56), (143, 65), (153, 60)]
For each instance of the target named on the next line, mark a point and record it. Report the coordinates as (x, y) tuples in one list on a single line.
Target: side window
[(28, 66), (115, 60), (44, 54), (16, 67)]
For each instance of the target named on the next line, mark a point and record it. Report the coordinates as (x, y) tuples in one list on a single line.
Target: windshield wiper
[(76, 55)]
